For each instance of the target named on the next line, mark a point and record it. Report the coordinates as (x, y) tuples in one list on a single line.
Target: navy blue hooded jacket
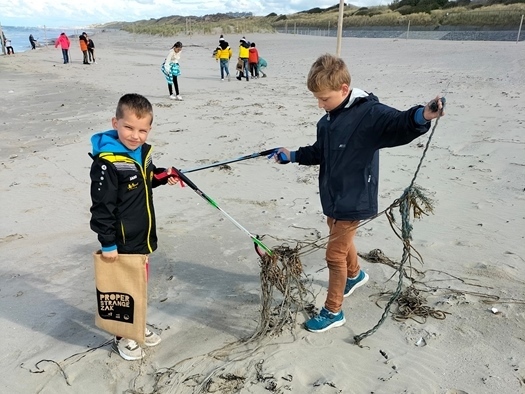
[(346, 150)]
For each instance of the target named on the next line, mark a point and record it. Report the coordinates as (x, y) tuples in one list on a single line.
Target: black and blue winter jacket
[(122, 180)]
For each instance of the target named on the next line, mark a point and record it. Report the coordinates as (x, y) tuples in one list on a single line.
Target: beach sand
[(204, 290)]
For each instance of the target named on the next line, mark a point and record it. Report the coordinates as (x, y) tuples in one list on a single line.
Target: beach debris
[(281, 271), (421, 342), (322, 382), (383, 353), (225, 383), (496, 311)]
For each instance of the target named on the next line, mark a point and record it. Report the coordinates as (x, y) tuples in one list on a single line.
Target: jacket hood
[(107, 141), (356, 94)]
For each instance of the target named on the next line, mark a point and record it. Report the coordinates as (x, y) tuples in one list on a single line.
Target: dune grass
[(494, 16)]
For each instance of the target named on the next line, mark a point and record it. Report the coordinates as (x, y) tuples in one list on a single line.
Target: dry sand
[(205, 287)]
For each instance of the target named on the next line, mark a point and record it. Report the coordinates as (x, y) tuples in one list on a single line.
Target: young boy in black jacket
[(122, 179), (349, 137)]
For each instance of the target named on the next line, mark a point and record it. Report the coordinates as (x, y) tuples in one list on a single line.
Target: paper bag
[(122, 292)]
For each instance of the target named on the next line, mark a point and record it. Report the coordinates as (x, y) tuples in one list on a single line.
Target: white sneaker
[(151, 339), (178, 97), (128, 349), (228, 78), (173, 97), (222, 79)]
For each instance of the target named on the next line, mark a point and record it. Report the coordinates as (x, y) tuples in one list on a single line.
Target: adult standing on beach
[(171, 70), (32, 41), (82, 39), (64, 43)]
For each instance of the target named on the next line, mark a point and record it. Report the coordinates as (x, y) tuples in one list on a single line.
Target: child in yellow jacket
[(223, 55)]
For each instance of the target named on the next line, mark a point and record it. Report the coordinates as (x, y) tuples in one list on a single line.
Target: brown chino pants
[(341, 258)]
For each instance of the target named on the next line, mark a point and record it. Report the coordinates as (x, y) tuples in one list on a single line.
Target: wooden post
[(519, 30), (340, 27), (408, 28), (2, 39)]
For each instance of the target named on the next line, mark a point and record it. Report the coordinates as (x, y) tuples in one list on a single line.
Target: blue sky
[(67, 13)]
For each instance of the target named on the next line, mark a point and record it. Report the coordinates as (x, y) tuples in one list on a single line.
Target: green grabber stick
[(256, 241)]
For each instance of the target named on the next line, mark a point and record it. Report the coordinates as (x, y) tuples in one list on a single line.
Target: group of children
[(349, 136), (249, 62), (87, 46)]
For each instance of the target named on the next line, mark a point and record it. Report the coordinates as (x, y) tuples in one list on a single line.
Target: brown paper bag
[(122, 293)]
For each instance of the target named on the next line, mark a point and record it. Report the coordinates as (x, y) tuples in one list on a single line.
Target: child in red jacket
[(253, 59)]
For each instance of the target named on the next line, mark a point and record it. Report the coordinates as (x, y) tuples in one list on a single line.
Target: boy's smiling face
[(132, 131), (331, 99)]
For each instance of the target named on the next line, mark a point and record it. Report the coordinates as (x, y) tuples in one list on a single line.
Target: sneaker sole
[(114, 347), (333, 325), (357, 285)]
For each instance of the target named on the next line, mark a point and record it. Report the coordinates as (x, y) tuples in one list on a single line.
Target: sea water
[(19, 36)]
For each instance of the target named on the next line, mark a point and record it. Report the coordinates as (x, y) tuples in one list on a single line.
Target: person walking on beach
[(122, 213), (253, 59), (32, 41), (82, 39), (244, 54), (64, 43), (91, 50), (171, 70), (349, 137), (223, 56)]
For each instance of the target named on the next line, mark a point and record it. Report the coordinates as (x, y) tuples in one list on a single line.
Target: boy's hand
[(281, 156), (110, 256), (173, 179), (434, 108)]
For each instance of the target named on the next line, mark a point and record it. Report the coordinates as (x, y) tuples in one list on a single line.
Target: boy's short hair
[(136, 103), (252, 44), (328, 72), (178, 44)]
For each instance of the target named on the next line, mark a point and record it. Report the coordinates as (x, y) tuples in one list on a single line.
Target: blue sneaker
[(352, 284), (325, 320)]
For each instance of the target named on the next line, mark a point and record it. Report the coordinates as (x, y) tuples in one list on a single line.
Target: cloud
[(68, 13)]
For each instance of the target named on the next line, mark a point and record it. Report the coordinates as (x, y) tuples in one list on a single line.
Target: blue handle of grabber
[(283, 159)]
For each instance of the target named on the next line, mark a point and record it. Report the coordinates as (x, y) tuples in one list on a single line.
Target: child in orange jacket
[(253, 59), (82, 39)]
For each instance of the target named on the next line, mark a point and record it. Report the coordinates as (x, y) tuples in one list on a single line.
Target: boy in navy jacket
[(349, 137)]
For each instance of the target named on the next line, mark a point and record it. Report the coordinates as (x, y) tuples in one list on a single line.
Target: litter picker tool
[(220, 163), (257, 243)]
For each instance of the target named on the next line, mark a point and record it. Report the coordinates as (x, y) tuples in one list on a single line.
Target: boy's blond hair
[(135, 103), (328, 72)]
